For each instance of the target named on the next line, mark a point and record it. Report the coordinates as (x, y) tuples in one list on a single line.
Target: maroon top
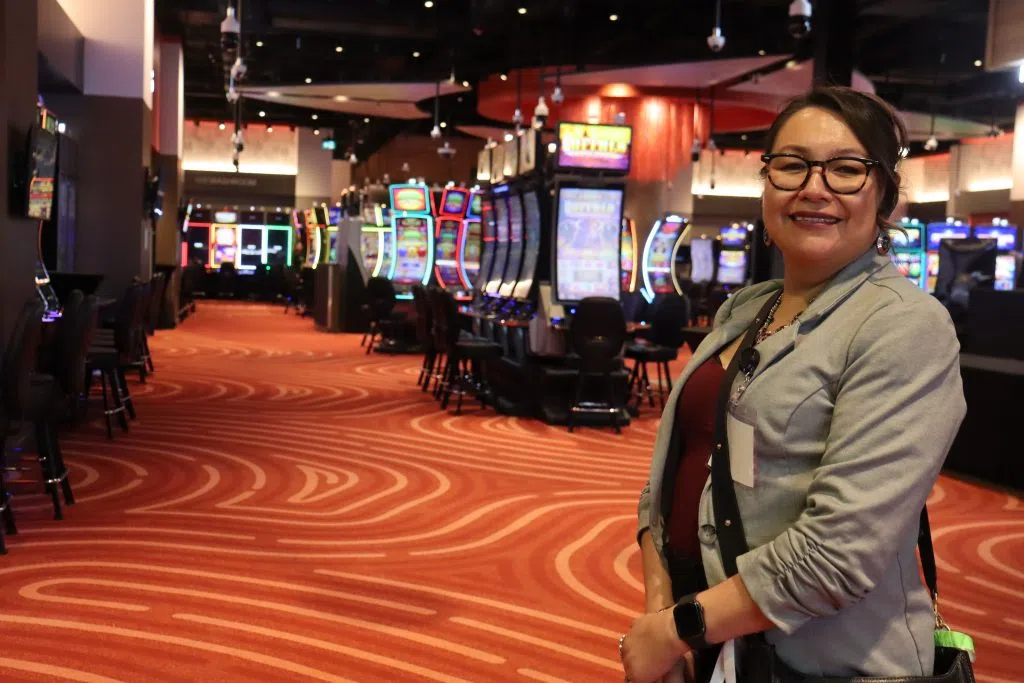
[(695, 424)]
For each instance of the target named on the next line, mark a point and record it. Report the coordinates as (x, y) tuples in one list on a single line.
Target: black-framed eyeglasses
[(842, 175)]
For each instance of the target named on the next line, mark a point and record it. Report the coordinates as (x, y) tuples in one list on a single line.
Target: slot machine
[(658, 265), (470, 244), (448, 237), (412, 224), (908, 252), (936, 232), (733, 268), (224, 246), (1006, 244)]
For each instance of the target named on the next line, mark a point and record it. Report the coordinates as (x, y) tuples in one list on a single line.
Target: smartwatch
[(690, 626)]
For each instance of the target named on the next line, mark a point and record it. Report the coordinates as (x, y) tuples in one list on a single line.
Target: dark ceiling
[(920, 54)]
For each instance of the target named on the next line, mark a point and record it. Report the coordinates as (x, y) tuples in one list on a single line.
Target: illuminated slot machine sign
[(251, 231), (594, 147), (471, 248), (413, 234), (937, 232), (224, 245), (659, 257), (1006, 243), (587, 243), (627, 259)]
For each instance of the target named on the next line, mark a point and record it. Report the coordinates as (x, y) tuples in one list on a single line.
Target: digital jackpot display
[(587, 243), (585, 146), (412, 240)]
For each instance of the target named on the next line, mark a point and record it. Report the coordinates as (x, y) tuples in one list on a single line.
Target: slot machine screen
[(445, 251), (471, 250), (910, 264), (487, 245), (702, 254), (732, 267), (1006, 272), (587, 243), (278, 253), (515, 246), (950, 232), (413, 242), (734, 236), (250, 253), (454, 203), (1005, 236), (501, 244), (627, 258), (225, 245), (198, 243), (531, 206), (910, 240), (659, 258), (334, 215)]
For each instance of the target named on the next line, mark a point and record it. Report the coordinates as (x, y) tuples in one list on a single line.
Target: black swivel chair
[(424, 334), (464, 370), (670, 315), (596, 338)]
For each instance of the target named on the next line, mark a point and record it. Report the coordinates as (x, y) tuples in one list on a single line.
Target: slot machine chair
[(19, 361), (425, 335), (670, 315), (465, 355), (596, 338), (392, 326), (113, 353)]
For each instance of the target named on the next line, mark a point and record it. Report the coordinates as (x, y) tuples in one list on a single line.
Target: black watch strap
[(691, 628)]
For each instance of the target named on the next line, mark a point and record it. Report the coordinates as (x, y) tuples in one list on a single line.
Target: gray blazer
[(854, 412)]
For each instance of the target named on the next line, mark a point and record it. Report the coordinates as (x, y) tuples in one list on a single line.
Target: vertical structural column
[(833, 25), (115, 123), (19, 83), (169, 139), (1017, 189)]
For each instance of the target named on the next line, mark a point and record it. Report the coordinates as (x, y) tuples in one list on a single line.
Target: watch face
[(689, 620)]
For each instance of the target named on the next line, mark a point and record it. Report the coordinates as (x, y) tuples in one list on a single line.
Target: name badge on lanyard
[(725, 667), (740, 432)]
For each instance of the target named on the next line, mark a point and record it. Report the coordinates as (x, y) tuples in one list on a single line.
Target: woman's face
[(817, 230)]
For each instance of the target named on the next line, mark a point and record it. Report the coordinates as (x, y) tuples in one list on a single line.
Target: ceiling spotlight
[(444, 124), (428, 4), (316, 131), (465, 84), (62, 128), (522, 10), (222, 126), (509, 137), (339, 49), (263, 114), (436, 133), (613, 17), (762, 53), (308, 81), (416, 55), (270, 129), (315, 117), (504, 77), (352, 158), (366, 120), (273, 93), (931, 144), (341, 98), (259, 43), (792, 64), (978, 62)]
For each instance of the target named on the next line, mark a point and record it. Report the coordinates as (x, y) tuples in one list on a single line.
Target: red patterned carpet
[(289, 509)]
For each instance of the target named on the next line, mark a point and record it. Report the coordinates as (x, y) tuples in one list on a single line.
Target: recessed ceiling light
[(504, 77), (273, 93), (792, 64), (444, 124), (259, 43), (270, 129), (339, 49), (316, 116), (465, 84), (366, 120), (262, 114), (428, 4), (522, 10), (762, 53), (613, 17), (416, 55), (743, 137), (977, 62), (340, 98), (222, 126), (316, 131), (308, 81)]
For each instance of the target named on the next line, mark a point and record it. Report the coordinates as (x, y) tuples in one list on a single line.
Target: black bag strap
[(732, 541)]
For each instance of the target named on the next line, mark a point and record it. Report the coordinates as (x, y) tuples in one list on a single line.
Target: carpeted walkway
[(289, 509)]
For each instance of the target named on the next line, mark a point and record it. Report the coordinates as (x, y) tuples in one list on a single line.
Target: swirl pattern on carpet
[(288, 508)]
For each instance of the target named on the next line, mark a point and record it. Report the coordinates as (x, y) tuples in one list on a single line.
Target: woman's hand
[(652, 649)]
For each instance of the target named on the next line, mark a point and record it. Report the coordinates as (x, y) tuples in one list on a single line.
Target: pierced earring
[(884, 242), (767, 238)]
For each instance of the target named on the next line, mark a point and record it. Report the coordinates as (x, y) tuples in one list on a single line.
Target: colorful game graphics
[(413, 230), (584, 146), (587, 243), (225, 245), (658, 262), (448, 238), (488, 237), (733, 259), (908, 253), (627, 256)]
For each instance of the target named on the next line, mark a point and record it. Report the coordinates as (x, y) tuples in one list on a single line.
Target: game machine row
[(412, 224), (1006, 236), (250, 241), (733, 269), (908, 251)]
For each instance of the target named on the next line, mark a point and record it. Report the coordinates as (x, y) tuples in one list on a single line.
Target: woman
[(842, 429)]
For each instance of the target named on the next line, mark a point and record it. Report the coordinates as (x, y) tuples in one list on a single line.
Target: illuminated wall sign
[(584, 146)]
